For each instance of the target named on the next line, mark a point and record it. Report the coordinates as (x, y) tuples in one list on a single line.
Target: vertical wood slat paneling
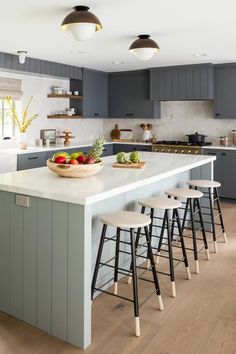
[(79, 258), (4, 251), (44, 263), (29, 262), (59, 269), (16, 256)]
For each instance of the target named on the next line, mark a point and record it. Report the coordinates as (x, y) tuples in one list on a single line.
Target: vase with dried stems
[(22, 122)]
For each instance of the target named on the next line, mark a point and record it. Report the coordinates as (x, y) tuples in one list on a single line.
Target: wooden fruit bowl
[(67, 170)]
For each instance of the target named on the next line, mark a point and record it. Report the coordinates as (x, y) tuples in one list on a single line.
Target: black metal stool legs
[(135, 284), (195, 251), (95, 274), (203, 230), (185, 258), (117, 261), (171, 263), (216, 193), (212, 218)]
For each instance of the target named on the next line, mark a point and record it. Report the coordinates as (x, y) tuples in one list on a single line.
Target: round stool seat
[(126, 219), (160, 203), (184, 193), (203, 183)]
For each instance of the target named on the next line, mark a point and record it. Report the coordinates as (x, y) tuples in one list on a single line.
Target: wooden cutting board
[(138, 165)]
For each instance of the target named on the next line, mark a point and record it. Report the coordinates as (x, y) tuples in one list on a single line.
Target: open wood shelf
[(73, 97), (53, 116)]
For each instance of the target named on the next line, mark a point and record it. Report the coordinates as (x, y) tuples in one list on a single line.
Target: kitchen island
[(50, 231)]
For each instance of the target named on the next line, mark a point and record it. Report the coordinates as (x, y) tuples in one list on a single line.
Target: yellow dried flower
[(23, 122)]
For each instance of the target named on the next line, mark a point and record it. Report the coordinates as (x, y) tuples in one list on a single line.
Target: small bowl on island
[(78, 164)]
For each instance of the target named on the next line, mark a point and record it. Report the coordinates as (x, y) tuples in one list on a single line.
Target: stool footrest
[(109, 293)]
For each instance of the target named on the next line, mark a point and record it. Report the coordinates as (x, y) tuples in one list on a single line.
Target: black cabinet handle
[(223, 153), (211, 153), (217, 114), (129, 114), (33, 158), (96, 114)]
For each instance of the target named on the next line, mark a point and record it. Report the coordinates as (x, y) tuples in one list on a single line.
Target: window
[(7, 128)]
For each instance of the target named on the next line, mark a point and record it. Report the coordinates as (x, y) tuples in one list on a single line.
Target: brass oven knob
[(176, 151), (182, 151), (189, 151), (162, 150), (169, 150), (196, 152)]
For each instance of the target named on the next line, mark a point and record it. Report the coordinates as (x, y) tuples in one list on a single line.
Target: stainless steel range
[(179, 147)]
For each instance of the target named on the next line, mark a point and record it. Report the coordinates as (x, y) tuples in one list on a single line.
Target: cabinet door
[(95, 93), (139, 104), (129, 96), (32, 160), (217, 164), (108, 150), (225, 93), (180, 83), (229, 173), (118, 93)]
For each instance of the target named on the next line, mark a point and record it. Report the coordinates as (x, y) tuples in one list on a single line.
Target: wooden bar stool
[(126, 221), (168, 224), (193, 208), (212, 195)]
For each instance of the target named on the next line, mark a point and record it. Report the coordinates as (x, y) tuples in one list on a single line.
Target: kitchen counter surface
[(34, 149), (109, 182), (220, 147)]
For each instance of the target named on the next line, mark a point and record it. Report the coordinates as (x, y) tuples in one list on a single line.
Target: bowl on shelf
[(81, 170)]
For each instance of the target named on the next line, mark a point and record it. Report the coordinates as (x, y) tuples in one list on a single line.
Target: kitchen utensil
[(196, 138), (76, 93), (224, 141), (126, 134), (67, 170), (115, 133), (234, 136)]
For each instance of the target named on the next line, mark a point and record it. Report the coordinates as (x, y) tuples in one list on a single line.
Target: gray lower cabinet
[(130, 147), (108, 150), (225, 92), (129, 97), (180, 83), (31, 160), (95, 93), (225, 170)]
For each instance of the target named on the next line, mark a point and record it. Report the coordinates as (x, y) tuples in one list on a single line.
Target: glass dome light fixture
[(22, 56), (81, 23), (144, 47)]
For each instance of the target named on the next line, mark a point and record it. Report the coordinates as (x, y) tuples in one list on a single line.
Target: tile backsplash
[(177, 120)]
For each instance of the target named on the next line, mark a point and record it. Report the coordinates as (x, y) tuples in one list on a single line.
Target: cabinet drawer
[(108, 150), (32, 160)]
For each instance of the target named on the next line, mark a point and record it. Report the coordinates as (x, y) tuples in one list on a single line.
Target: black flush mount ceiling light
[(144, 47), (81, 23)]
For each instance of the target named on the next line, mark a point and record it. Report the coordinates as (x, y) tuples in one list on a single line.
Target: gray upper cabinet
[(129, 94), (225, 92), (95, 93), (182, 83)]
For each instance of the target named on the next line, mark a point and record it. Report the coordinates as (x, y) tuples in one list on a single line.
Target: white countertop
[(41, 182), (34, 149), (220, 147)]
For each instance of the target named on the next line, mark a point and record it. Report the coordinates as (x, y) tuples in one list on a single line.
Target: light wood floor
[(201, 319)]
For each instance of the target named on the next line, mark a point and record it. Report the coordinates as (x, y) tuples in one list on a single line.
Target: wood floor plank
[(201, 319)]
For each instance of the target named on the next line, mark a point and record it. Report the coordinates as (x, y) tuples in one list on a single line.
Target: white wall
[(39, 87), (178, 118)]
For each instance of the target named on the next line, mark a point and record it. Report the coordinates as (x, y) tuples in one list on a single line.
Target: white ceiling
[(181, 28)]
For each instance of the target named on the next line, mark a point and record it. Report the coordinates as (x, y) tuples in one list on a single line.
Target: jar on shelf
[(224, 141)]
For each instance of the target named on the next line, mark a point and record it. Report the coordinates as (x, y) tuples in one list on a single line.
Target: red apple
[(74, 162), (81, 159), (90, 160), (60, 159)]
